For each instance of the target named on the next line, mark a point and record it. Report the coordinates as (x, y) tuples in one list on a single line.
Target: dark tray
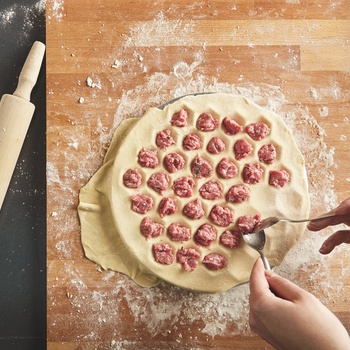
[(23, 214)]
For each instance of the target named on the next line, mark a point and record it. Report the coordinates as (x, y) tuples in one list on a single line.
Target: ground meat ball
[(278, 178), (201, 168), (192, 142), (164, 139), (211, 190), (247, 223), (194, 209), (238, 194), (221, 216), (174, 162), (179, 118), (216, 145), (214, 261), (167, 206), (252, 173), (206, 122), (242, 149), (231, 127), (163, 253), (267, 154), (183, 187), (257, 131), (188, 258), (148, 158), (178, 232), (226, 169), (159, 182), (141, 203), (132, 178), (230, 238), (205, 235), (150, 228)]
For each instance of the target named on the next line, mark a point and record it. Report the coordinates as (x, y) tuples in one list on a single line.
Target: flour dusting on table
[(166, 309), (22, 13)]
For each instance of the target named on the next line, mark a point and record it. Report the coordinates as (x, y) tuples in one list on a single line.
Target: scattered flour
[(161, 308), (166, 309), (28, 15), (57, 9)]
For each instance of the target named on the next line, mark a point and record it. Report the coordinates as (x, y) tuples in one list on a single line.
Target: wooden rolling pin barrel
[(16, 112)]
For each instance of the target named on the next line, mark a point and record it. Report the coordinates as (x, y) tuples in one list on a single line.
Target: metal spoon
[(257, 241), (272, 220)]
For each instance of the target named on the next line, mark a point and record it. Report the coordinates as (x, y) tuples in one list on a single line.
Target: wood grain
[(293, 54)]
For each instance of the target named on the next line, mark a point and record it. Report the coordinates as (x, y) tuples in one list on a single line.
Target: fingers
[(323, 223), (342, 216), (343, 208), (265, 283), (337, 238)]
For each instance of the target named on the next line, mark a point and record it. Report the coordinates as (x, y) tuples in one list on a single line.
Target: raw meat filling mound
[(141, 203), (188, 258), (178, 232), (192, 142), (167, 206), (159, 182), (214, 261), (179, 118), (164, 139), (211, 190), (231, 127), (205, 235), (132, 178), (247, 223), (201, 168), (267, 154), (221, 216), (252, 173), (216, 145), (206, 122), (257, 131), (163, 253), (148, 158), (230, 238), (174, 162), (242, 149), (238, 194), (150, 228), (279, 178), (183, 187), (194, 210), (226, 169)]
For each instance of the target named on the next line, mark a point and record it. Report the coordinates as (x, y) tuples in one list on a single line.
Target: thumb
[(282, 287)]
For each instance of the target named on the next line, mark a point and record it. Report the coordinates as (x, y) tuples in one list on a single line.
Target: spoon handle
[(265, 261), (313, 219)]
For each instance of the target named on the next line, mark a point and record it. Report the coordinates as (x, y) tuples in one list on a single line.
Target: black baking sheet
[(23, 215)]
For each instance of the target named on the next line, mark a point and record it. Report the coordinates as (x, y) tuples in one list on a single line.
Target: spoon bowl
[(257, 240)]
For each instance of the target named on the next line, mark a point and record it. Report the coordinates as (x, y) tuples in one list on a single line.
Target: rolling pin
[(16, 112)]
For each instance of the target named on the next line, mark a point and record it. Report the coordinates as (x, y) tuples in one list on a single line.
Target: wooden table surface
[(108, 60)]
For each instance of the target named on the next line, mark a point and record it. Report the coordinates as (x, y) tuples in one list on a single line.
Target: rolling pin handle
[(30, 71)]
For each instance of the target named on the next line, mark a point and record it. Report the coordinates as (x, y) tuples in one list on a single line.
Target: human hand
[(290, 318), (342, 216)]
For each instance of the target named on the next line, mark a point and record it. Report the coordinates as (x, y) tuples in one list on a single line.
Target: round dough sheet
[(289, 201)]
